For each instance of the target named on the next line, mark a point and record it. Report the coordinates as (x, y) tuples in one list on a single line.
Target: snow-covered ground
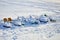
[(42, 32), (15, 8)]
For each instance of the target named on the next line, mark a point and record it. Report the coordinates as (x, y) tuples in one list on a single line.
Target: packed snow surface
[(32, 20)]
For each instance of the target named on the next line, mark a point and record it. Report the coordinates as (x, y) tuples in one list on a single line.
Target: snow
[(29, 31), (27, 12)]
